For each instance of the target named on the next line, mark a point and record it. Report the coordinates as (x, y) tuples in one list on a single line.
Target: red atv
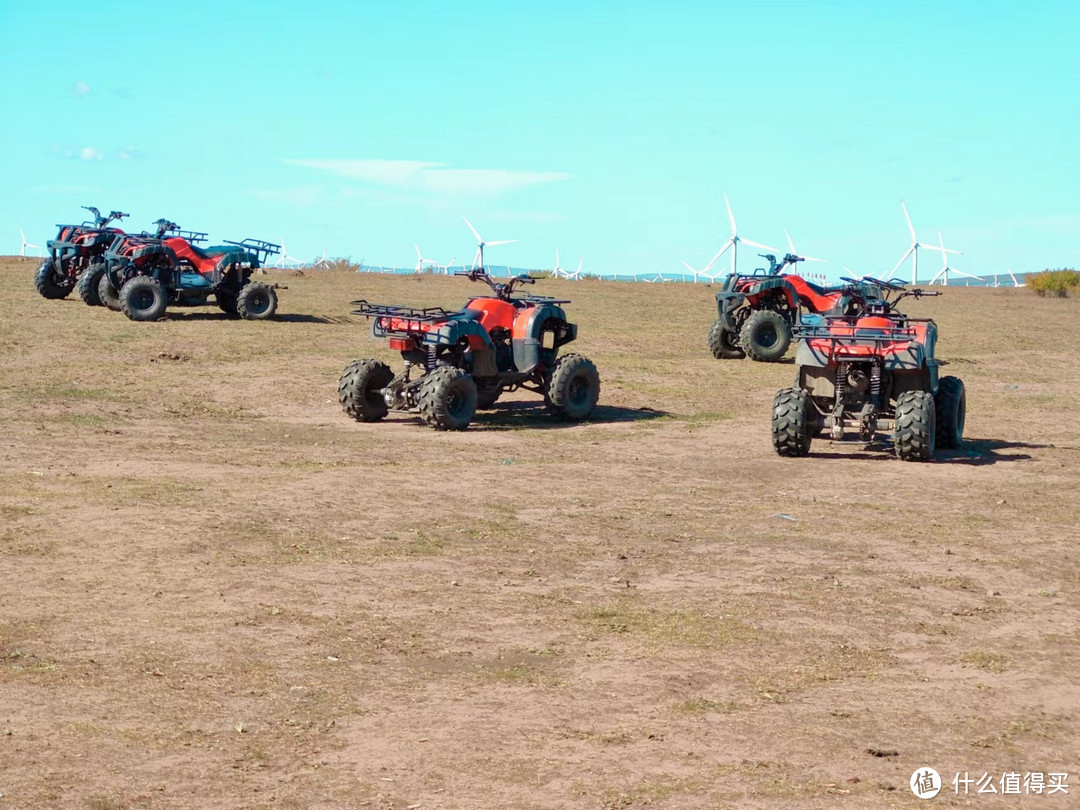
[(144, 274), (758, 312), (76, 251), (859, 371), (466, 359)]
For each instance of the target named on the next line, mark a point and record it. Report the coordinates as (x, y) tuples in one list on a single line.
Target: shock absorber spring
[(875, 383), (841, 380), (431, 360)]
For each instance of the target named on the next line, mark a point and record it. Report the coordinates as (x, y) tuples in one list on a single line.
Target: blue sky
[(606, 130)]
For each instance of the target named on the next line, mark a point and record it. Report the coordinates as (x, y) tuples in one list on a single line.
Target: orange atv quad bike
[(465, 360), (144, 274), (756, 313), (859, 371), (76, 254)]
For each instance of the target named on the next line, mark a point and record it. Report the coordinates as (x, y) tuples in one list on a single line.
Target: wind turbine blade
[(476, 233), (691, 269), (962, 273), (419, 255), (731, 216), (791, 244), (908, 218), (580, 262), (903, 259), (558, 261), (758, 245), (503, 242)]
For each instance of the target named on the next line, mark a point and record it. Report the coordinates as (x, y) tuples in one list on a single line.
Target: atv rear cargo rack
[(195, 237), (260, 247), (859, 334), (425, 315)]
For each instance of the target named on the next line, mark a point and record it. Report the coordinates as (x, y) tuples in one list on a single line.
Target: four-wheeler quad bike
[(76, 251), (756, 313), (144, 274), (466, 359), (861, 370)]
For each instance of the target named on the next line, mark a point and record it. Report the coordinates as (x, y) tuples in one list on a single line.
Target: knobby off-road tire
[(574, 388), (143, 299), (765, 336), (951, 403), (89, 282), (359, 387), (108, 294), (256, 301), (723, 343), (447, 398), (487, 395), (916, 426), (226, 301), (46, 283), (792, 422)]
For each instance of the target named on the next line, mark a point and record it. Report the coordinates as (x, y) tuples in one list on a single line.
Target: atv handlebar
[(502, 291)]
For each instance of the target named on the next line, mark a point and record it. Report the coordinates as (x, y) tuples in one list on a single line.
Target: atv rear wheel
[(256, 301), (447, 398), (765, 336), (46, 283), (951, 405), (359, 389), (88, 284), (108, 294), (723, 343), (792, 422), (143, 299), (916, 426), (573, 388)]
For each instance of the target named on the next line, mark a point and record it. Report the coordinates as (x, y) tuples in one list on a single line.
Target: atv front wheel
[(226, 301), (46, 283), (916, 426), (256, 301), (951, 405), (765, 336), (573, 388), (88, 284), (447, 398), (792, 422), (723, 343), (108, 294), (359, 389), (143, 299)]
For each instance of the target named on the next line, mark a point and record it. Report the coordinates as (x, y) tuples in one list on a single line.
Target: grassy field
[(220, 592)]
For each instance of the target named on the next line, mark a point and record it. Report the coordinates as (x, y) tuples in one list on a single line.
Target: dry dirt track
[(219, 592)]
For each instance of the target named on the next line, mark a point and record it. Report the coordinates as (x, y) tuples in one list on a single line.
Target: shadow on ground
[(974, 452)]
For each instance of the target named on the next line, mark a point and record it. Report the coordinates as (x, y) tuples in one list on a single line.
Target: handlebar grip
[(460, 273)]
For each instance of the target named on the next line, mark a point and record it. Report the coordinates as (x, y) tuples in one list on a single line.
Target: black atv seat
[(214, 251)]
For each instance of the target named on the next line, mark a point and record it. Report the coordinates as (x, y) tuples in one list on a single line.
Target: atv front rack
[(425, 315), (859, 335)]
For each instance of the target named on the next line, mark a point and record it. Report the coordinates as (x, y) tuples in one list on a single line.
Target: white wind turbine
[(576, 275), (420, 260), (322, 262), (943, 274), (912, 251), (557, 271), (1015, 282), (445, 268), (285, 258), (704, 271), (735, 239), (478, 259), (25, 244)]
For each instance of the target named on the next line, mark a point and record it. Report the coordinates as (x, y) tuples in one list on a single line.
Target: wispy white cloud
[(91, 153), (128, 153), (81, 88), (438, 178)]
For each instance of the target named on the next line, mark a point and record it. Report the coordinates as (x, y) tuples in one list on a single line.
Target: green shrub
[(1054, 283)]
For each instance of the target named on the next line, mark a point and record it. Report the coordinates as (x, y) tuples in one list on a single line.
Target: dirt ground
[(220, 592)]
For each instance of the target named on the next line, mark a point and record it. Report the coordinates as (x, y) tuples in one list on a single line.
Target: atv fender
[(464, 329), (726, 304), (527, 335)]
